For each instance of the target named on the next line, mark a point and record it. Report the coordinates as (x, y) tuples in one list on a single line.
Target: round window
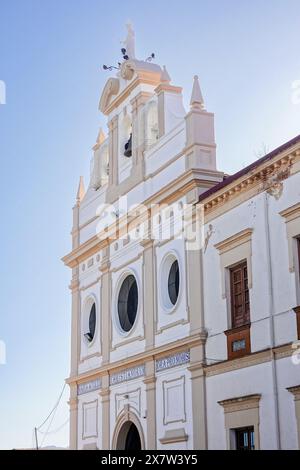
[(92, 324), (173, 282), (128, 303)]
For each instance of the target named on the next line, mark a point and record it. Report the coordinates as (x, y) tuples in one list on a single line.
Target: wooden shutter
[(298, 251), (240, 306)]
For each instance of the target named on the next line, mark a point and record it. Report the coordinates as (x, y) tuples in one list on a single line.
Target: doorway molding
[(129, 417)]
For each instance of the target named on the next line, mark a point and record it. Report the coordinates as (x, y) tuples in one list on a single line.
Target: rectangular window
[(240, 305), (244, 438)]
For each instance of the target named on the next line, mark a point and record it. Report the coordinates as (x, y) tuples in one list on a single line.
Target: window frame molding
[(292, 223), (295, 391), (234, 250), (115, 317), (241, 412), (162, 278), (232, 269), (87, 304)]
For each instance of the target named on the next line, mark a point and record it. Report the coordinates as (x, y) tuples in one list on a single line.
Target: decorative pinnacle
[(165, 77), (196, 98), (100, 139), (81, 190)]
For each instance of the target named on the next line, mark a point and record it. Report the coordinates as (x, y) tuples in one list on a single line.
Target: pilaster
[(75, 321), (105, 401), (105, 296), (198, 398), (166, 92), (195, 289), (113, 151), (138, 128), (149, 283), (150, 383), (73, 404)]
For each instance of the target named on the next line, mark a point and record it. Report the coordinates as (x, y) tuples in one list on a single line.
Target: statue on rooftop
[(129, 42)]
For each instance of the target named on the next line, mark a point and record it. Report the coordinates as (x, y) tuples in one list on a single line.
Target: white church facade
[(185, 281)]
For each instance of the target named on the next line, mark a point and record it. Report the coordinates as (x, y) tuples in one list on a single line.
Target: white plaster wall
[(93, 204), (90, 288), (168, 375), (288, 375), (127, 344), (284, 282), (89, 208), (252, 214), (165, 148), (86, 399), (174, 110), (247, 381), (179, 313)]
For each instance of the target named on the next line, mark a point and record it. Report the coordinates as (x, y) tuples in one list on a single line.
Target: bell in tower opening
[(128, 147)]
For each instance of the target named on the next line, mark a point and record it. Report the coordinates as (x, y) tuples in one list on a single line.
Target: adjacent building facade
[(185, 281)]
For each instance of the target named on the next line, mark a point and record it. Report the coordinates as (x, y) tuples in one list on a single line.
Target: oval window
[(92, 324), (128, 303), (173, 282)]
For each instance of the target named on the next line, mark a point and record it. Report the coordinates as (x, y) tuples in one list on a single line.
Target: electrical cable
[(51, 420), (54, 408), (57, 429)]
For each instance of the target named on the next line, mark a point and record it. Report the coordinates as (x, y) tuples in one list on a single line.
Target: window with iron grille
[(240, 305)]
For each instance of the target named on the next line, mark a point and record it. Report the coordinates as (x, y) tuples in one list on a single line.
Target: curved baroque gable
[(111, 89)]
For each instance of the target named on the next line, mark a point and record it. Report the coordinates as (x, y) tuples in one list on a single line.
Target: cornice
[(252, 359), (146, 78), (186, 182), (173, 436), (246, 402), (84, 251), (267, 176), (295, 390), (168, 88)]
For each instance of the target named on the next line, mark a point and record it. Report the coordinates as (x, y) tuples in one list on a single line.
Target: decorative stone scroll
[(87, 387), (172, 361), (127, 374)]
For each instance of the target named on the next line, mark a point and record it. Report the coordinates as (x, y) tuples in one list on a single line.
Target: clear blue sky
[(246, 54)]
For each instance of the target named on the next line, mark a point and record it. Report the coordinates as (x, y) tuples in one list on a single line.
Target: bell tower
[(137, 328)]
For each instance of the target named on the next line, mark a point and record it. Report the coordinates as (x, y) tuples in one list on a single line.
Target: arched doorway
[(129, 437)]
